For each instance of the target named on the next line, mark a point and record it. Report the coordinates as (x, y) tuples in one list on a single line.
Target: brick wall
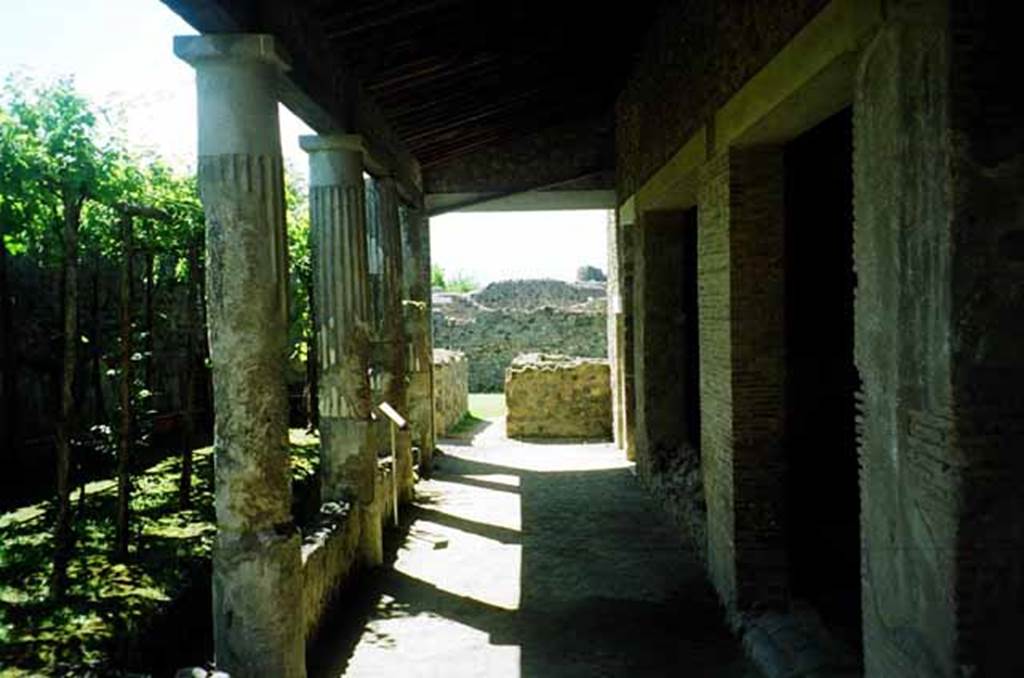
[(740, 267), (716, 374), (696, 56)]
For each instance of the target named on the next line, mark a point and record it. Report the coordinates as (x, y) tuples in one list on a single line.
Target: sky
[(119, 53), (489, 246)]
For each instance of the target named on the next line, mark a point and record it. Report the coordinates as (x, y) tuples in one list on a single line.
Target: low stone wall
[(329, 551), (330, 548), (451, 389), (557, 396)]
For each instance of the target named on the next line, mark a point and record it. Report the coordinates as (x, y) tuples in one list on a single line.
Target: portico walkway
[(542, 560)]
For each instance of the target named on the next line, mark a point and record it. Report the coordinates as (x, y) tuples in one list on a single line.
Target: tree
[(179, 235), (436, 277), (18, 207), (167, 209), (302, 331), (64, 156), (460, 283), (69, 191)]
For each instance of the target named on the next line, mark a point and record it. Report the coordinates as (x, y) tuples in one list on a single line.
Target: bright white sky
[(119, 53)]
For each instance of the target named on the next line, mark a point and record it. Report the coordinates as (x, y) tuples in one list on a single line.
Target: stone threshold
[(795, 644)]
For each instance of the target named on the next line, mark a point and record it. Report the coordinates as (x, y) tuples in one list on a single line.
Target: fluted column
[(417, 306), (256, 558), (394, 345), (341, 291)]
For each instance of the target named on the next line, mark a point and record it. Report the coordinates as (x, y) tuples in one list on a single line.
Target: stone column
[(627, 285), (375, 267), (613, 329), (394, 385), (417, 302), (939, 324), (256, 559), (740, 240), (338, 222)]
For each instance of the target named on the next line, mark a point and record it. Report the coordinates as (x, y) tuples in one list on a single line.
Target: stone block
[(451, 389), (557, 396)]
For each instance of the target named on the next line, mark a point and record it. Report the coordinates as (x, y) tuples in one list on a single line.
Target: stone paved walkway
[(533, 560)]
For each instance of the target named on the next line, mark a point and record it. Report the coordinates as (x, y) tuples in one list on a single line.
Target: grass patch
[(487, 405), (109, 604), (467, 424)]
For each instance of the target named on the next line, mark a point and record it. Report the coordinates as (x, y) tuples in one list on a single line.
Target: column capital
[(314, 143), (334, 159), (237, 81), (198, 50)]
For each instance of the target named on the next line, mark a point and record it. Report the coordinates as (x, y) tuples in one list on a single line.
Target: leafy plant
[(460, 283)]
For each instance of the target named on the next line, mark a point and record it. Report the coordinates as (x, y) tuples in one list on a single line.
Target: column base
[(257, 602), (371, 534), (348, 464)]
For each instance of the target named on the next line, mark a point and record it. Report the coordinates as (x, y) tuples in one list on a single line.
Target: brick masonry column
[(257, 586), (337, 207), (939, 325), (417, 307), (659, 320), (740, 268), (625, 347), (394, 346), (614, 323)]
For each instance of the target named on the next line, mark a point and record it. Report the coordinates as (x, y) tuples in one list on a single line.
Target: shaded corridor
[(532, 560)]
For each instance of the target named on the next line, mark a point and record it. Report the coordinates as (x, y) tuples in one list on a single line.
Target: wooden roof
[(450, 76)]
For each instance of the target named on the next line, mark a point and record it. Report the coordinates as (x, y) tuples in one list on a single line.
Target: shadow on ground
[(531, 560)]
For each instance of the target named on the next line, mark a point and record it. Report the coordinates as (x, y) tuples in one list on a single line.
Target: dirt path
[(533, 560)]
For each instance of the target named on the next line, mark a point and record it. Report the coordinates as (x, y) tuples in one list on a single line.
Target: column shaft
[(740, 267), (627, 284), (416, 274), (393, 357), (342, 293), (614, 323), (256, 560)]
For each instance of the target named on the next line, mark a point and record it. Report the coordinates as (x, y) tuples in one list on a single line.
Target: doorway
[(823, 499)]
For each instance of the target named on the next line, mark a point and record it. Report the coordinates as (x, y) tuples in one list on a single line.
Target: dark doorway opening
[(822, 483)]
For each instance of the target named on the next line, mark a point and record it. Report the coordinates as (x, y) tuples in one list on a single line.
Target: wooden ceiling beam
[(457, 122)]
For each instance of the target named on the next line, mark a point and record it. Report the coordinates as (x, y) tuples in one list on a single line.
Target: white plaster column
[(256, 560), (341, 289)]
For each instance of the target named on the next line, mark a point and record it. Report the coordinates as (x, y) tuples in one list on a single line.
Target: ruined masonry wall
[(451, 389), (556, 396), (494, 325), (532, 294)]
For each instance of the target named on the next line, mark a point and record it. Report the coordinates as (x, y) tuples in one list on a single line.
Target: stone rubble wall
[(557, 396), (533, 294), (451, 389), (330, 549), (494, 325), (492, 338)]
